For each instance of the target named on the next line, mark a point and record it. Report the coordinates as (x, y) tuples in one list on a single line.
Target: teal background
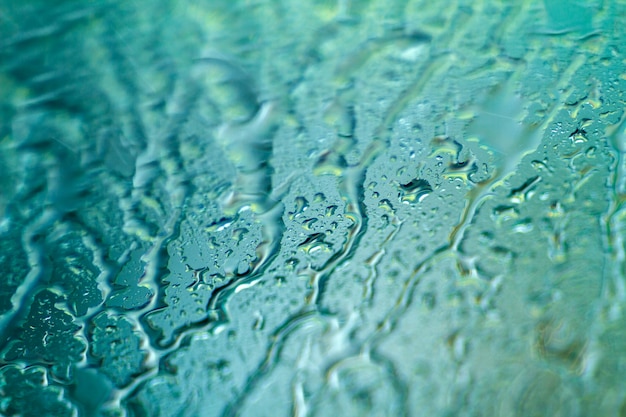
[(312, 208)]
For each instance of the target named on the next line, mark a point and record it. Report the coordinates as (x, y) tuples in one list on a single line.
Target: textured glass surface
[(312, 208)]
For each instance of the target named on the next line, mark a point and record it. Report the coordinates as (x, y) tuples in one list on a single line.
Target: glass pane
[(312, 208)]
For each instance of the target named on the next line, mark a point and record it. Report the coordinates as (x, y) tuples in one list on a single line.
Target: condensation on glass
[(356, 208)]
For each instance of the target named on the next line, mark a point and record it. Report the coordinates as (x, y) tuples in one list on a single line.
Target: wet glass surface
[(312, 208)]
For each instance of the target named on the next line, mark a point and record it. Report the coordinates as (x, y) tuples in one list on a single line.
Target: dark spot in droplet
[(502, 209), (525, 186), (415, 190), (316, 237), (415, 185), (458, 165)]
